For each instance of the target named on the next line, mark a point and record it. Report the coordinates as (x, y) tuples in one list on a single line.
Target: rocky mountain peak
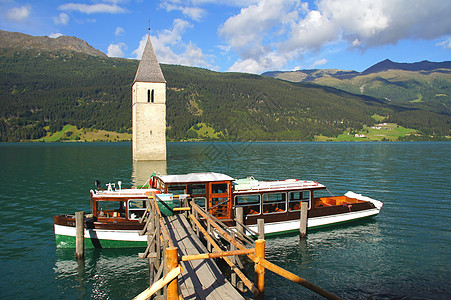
[(68, 43)]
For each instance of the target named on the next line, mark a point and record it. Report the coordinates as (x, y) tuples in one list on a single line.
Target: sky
[(251, 36)]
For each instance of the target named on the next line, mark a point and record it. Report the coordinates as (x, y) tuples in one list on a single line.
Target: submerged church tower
[(149, 108)]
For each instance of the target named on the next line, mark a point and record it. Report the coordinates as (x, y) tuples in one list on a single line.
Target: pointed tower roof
[(149, 69)]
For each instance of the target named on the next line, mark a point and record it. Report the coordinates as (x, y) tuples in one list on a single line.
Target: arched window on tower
[(150, 96)]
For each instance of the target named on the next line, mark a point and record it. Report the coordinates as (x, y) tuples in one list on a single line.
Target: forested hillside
[(41, 91)]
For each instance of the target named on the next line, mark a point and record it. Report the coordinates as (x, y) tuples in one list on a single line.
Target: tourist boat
[(115, 212)]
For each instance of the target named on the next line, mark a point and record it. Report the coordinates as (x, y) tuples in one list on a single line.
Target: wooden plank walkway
[(201, 279)]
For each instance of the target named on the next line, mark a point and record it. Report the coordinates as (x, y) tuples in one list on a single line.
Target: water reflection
[(104, 273), (143, 169)]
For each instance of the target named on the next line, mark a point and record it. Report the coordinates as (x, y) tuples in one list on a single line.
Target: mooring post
[(172, 262), (259, 269), (261, 229), (80, 234), (240, 218), (303, 220)]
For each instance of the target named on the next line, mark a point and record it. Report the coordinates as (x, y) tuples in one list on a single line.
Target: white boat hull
[(99, 238)]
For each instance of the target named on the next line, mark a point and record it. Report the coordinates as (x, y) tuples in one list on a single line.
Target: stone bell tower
[(149, 108)]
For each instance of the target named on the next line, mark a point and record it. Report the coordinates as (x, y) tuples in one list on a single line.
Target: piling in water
[(80, 234), (303, 220)]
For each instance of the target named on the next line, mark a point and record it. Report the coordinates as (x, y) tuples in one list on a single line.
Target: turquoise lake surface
[(404, 253)]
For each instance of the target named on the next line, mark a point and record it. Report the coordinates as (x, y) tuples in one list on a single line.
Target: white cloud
[(138, 52), (195, 13), (310, 33), (93, 8), (119, 31), (245, 31), (446, 43), (62, 19), (376, 23), (55, 35), (170, 48), (19, 14), (117, 50), (288, 29), (320, 62), (174, 36)]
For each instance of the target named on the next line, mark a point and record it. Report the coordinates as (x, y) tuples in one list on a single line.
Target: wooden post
[(290, 276), (261, 229), (80, 234), (233, 274), (196, 215), (208, 241), (259, 269), (172, 262), (158, 243), (303, 220), (240, 217)]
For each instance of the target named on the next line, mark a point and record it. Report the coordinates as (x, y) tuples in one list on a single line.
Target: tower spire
[(149, 69)]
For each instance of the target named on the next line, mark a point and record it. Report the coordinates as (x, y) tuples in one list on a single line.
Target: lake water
[(403, 253)]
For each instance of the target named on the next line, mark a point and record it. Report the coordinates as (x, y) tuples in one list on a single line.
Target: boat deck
[(200, 279)]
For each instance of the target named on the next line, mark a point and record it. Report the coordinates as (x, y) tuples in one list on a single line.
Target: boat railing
[(279, 185)]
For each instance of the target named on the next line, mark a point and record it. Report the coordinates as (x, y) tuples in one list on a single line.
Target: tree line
[(41, 92)]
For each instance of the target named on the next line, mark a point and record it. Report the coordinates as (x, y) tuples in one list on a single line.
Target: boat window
[(201, 202), (197, 189), (247, 199), (111, 209), (219, 188), (136, 208), (177, 190), (274, 203), (250, 204), (295, 199), (160, 184)]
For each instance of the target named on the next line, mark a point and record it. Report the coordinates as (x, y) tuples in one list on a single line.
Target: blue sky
[(251, 36)]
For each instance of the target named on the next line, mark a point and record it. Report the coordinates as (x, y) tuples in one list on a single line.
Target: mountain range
[(23, 41), (47, 83), (421, 82)]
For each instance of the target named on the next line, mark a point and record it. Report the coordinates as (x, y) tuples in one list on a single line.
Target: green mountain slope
[(425, 84), (41, 91)]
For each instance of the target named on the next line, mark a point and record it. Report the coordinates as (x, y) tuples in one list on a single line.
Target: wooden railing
[(162, 255), (261, 263), (208, 226)]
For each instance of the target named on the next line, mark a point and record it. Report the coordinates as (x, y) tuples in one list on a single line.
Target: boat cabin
[(273, 199), (211, 191), (119, 204)]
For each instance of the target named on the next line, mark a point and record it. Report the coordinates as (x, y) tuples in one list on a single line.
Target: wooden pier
[(180, 251), (200, 278)]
